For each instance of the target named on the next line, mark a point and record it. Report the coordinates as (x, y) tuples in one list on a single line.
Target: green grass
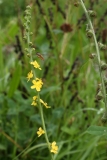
[(70, 85)]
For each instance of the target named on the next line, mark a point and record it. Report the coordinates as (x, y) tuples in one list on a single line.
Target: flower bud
[(102, 46), (28, 22), (30, 44), (27, 29), (25, 17), (28, 55), (33, 49), (28, 7), (27, 13), (24, 24), (26, 50)]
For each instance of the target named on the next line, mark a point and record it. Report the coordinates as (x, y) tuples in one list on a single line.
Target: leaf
[(70, 131), (57, 113), (97, 130), (2, 147), (15, 80), (36, 118), (50, 89), (84, 66)]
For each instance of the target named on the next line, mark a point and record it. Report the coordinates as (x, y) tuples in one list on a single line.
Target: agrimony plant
[(101, 65), (37, 83)]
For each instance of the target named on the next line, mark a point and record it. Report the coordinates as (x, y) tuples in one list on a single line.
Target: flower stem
[(43, 124), (98, 55), (40, 107)]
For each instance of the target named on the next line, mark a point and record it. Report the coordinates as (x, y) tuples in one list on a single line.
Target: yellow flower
[(34, 103), (37, 84), (40, 132), (44, 103), (34, 98), (54, 147), (35, 64), (30, 75)]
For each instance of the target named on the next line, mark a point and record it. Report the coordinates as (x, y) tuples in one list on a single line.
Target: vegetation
[(73, 73)]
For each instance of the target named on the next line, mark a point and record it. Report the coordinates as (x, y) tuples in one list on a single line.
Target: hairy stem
[(43, 124)]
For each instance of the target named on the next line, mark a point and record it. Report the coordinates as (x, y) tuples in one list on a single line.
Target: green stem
[(98, 54), (43, 124), (30, 50)]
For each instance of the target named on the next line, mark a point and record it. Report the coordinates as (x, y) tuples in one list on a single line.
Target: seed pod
[(99, 96), (92, 56), (30, 44), (89, 33), (102, 46), (33, 49), (28, 55), (27, 29), (76, 4), (92, 13), (103, 66)]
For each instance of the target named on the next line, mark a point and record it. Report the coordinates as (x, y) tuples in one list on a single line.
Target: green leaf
[(70, 131), (15, 79), (50, 89), (2, 147), (97, 130)]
